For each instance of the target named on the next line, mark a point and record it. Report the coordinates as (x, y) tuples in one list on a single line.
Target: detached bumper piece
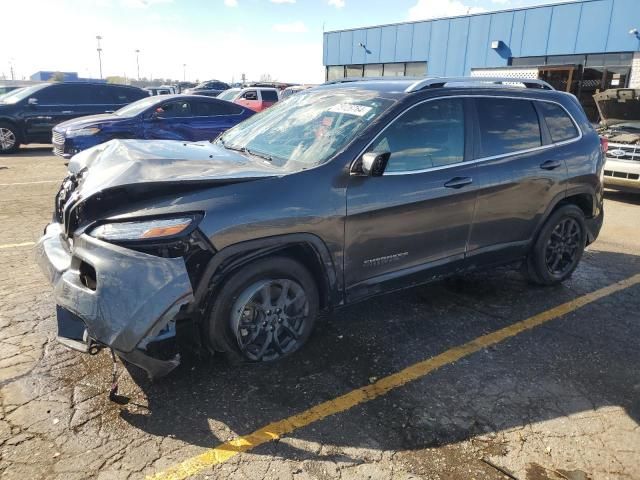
[(110, 296)]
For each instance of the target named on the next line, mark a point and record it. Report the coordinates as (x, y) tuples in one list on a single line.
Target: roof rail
[(476, 81)]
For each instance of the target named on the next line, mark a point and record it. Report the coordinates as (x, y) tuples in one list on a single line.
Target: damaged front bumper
[(111, 296)]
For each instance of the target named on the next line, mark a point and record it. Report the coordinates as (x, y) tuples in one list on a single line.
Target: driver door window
[(429, 135), (250, 95), (177, 109)]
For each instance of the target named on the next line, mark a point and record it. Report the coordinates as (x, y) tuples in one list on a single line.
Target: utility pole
[(11, 69), (184, 72), (138, 62), (98, 38)]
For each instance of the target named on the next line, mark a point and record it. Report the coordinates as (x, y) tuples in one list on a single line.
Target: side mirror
[(374, 164), (32, 101)]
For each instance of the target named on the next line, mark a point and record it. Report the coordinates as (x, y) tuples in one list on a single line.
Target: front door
[(48, 107), (418, 214), (170, 121)]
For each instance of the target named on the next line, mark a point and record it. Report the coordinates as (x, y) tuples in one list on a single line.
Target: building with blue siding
[(581, 47)]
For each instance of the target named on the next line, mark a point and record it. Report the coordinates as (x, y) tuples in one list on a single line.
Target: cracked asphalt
[(561, 401)]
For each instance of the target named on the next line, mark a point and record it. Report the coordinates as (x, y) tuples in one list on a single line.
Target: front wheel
[(264, 312), (9, 142), (558, 248)]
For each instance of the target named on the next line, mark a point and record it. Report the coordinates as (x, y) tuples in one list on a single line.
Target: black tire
[(9, 138), (223, 329), (559, 247)]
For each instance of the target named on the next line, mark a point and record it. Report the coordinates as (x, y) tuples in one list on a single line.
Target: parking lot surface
[(557, 401)]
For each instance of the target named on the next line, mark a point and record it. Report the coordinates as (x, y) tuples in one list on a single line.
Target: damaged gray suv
[(341, 192)]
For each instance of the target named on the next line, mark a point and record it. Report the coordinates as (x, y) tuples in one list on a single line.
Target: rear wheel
[(264, 312), (559, 247), (9, 142)]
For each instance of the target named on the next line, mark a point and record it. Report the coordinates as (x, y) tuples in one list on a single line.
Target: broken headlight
[(159, 228)]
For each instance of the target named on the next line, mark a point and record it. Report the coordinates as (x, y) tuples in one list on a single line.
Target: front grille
[(57, 138), (628, 176), (622, 151)]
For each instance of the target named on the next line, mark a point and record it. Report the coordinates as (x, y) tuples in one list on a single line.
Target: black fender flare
[(234, 256), (561, 197)]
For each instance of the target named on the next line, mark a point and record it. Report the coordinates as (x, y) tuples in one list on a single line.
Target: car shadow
[(572, 365), (32, 151), (625, 197)]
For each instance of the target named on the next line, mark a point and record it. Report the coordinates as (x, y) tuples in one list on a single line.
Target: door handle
[(67, 111), (459, 182), (550, 165)]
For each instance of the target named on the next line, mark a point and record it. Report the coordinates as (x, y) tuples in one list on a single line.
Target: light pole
[(184, 72), (98, 38), (138, 62)]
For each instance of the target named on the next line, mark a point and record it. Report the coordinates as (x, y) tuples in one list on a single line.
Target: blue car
[(165, 117)]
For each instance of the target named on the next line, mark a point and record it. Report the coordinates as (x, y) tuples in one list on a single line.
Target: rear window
[(560, 125), (507, 126), (269, 95)]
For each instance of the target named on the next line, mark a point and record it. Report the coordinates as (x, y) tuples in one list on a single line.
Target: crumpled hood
[(127, 162), (89, 120), (618, 105)]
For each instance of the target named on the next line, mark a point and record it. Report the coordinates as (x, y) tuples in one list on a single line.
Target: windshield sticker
[(350, 109)]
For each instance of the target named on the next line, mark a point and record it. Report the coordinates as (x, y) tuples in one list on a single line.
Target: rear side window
[(560, 125), (123, 95), (429, 135), (507, 126), (269, 95), (209, 109), (250, 95)]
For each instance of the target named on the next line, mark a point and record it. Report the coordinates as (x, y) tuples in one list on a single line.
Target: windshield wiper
[(266, 156), (232, 147)]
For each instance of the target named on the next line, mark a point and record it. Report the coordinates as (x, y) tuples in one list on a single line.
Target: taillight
[(604, 144)]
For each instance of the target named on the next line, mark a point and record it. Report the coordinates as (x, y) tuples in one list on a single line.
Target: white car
[(620, 121)]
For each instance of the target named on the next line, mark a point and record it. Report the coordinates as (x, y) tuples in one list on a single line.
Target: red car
[(255, 98)]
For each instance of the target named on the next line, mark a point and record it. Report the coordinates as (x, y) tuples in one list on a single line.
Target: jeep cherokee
[(338, 193)]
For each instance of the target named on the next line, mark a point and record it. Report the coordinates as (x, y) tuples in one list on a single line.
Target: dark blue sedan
[(165, 117)]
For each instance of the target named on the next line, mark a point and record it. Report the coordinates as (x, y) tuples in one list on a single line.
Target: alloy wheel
[(563, 246), (268, 319), (7, 139)]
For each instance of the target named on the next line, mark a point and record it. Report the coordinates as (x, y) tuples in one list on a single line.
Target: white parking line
[(15, 245), (28, 183)]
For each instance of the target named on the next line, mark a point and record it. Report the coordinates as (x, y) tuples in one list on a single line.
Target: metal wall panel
[(501, 26), (373, 45), (358, 54), (536, 32), (421, 41), (565, 21), (404, 42), (388, 44), (625, 16), (346, 42), (594, 27), (517, 30), (333, 48), (438, 49), (457, 46), (477, 42)]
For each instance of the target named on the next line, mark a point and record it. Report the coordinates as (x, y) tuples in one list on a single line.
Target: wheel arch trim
[(234, 256)]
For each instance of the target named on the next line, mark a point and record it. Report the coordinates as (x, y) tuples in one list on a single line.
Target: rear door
[(268, 98), (520, 173), (212, 117), (417, 216), (171, 120)]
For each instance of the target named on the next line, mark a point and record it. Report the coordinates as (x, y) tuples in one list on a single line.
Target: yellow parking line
[(14, 245), (276, 430)]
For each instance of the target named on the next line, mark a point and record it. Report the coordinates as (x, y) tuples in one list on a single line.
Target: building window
[(393, 70), (416, 69), (335, 72), (354, 70), (373, 70)]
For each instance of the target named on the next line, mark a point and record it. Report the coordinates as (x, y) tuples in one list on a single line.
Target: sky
[(215, 39)]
